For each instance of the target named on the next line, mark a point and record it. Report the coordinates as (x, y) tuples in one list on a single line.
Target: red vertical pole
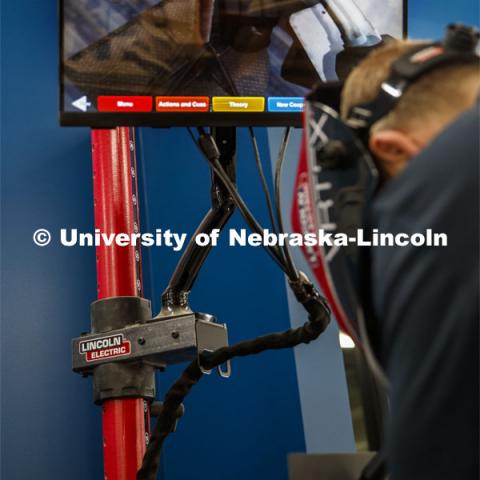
[(125, 421)]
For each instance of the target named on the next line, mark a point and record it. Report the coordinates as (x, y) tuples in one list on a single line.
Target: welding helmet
[(337, 177)]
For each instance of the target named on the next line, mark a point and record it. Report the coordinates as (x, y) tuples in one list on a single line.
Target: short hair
[(445, 92)]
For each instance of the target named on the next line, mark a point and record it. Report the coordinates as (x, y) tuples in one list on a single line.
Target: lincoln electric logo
[(105, 347)]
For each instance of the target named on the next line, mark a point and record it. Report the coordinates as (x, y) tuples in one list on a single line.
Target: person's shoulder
[(459, 142)]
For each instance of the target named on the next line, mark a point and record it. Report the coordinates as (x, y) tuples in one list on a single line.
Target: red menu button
[(124, 104)]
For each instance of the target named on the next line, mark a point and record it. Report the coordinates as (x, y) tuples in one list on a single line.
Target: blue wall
[(427, 18), (50, 429)]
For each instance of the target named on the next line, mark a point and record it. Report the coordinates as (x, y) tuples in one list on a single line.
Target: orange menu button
[(182, 104)]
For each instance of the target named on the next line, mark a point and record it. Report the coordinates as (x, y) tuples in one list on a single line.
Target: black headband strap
[(457, 48)]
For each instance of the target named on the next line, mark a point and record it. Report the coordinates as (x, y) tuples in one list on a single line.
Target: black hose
[(318, 320)]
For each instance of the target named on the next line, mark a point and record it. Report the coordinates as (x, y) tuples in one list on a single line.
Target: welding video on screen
[(213, 55)]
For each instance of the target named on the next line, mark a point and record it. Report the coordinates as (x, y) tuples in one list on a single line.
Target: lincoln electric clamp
[(126, 345)]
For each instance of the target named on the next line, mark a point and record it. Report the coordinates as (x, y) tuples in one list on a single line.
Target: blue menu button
[(286, 104)]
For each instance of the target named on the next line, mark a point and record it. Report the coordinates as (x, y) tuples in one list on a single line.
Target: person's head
[(426, 108)]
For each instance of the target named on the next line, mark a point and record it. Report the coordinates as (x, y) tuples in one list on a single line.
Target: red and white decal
[(427, 54), (105, 347), (305, 220)]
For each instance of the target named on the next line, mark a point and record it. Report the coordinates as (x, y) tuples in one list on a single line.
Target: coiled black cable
[(319, 318)]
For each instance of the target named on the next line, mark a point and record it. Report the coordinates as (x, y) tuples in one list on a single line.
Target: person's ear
[(393, 149)]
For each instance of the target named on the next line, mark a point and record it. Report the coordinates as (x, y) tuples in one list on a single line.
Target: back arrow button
[(82, 103)]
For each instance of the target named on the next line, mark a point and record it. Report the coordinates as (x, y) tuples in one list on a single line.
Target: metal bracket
[(157, 342), (209, 338)]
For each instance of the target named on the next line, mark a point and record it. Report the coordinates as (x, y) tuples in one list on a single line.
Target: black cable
[(293, 273), (212, 158), (283, 254), (318, 320), (274, 251), (261, 174), (209, 150), (166, 420)]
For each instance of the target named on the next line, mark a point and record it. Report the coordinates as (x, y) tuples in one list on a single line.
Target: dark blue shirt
[(426, 301)]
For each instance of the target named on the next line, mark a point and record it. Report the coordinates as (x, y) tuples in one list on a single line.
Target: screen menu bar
[(129, 103)]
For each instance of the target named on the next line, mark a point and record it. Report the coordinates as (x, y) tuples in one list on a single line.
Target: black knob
[(461, 38)]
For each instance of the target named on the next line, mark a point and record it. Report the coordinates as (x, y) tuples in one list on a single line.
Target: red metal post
[(125, 421)]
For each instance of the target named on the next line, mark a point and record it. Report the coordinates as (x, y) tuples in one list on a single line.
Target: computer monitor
[(210, 62)]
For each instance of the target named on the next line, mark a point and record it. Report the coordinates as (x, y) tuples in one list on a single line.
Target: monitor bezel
[(176, 119)]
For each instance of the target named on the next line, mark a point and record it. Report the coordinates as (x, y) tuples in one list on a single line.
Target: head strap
[(458, 47)]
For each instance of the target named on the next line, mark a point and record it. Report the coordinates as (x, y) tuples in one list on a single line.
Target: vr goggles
[(337, 177)]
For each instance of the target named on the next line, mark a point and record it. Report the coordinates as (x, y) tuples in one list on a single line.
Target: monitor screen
[(210, 62)]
